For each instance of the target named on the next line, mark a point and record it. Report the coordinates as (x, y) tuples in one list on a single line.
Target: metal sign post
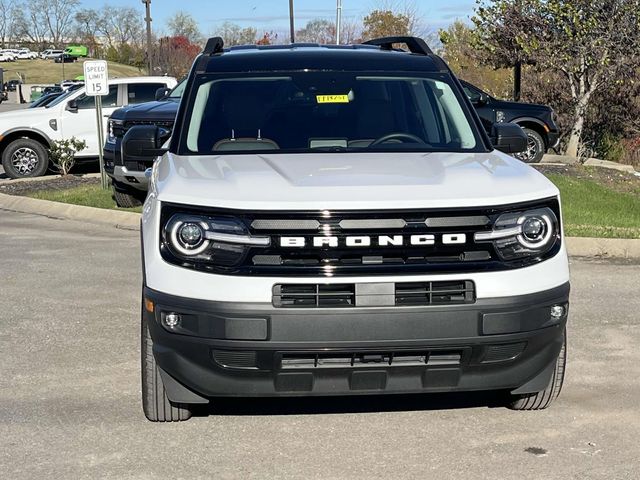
[(96, 85)]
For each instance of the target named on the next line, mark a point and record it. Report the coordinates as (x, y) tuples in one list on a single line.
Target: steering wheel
[(397, 136)]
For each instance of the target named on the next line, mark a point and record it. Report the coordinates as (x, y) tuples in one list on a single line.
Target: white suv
[(25, 135), (332, 220)]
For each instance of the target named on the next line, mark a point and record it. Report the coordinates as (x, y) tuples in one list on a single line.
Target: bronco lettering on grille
[(381, 240)]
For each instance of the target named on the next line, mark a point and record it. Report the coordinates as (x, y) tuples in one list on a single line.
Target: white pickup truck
[(26, 135)]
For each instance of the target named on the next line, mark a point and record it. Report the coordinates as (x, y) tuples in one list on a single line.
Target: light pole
[(338, 21), (147, 4), (291, 27)]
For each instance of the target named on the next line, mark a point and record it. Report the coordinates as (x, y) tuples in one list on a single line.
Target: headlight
[(111, 127), (217, 241), (523, 234)]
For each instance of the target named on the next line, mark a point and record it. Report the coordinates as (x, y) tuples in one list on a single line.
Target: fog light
[(557, 312), (172, 320)]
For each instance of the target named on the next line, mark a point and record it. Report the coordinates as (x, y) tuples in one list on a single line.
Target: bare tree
[(28, 21), (6, 21), (318, 30), (408, 9), (58, 16), (87, 27), (182, 24), (236, 35)]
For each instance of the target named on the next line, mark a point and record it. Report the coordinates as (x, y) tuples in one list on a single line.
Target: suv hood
[(157, 110), (522, 106), (356, 181)]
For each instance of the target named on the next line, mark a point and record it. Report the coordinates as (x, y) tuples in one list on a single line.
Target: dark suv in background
[(128, 176), (536, 120)]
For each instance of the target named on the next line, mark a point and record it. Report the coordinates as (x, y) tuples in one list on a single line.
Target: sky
[(273, 15)]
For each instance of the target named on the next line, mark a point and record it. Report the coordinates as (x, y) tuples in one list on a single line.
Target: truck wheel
[(541, 400), (535, 147), (25, 157), (155, 403), (124, 199)]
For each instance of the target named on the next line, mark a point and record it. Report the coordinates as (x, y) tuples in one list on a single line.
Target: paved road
[(69, 389)]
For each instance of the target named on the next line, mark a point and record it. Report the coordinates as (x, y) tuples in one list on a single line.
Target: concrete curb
[(577, 246), (102, 216), (603, 247), (45, 178)]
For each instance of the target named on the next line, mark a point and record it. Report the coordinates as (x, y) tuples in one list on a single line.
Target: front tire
[(541, 400), (155, 403), (536, 147), (126, 198), (24, 158)]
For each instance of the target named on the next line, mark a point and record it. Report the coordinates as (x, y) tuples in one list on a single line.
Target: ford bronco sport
[(332, 220)]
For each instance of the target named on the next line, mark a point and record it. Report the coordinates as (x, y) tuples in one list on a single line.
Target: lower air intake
[(314, 295), (435, 293)]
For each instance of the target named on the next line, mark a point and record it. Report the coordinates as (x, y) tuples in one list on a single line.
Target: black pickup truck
[(130, 182), (536, 120), (128, 176)]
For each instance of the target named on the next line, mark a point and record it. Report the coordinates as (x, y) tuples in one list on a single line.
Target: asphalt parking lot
[(70, 408)]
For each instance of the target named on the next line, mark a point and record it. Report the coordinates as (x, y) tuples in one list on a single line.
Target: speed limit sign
[(95, 77)]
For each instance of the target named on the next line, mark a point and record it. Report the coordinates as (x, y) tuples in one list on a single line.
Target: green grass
[(592, 210), (88, 195), (40, 71)]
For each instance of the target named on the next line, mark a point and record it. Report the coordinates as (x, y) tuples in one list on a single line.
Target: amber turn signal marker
[(148, 304)]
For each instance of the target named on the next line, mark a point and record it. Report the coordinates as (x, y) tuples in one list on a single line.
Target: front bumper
[(232, 349), (134, 179), (553, 138)]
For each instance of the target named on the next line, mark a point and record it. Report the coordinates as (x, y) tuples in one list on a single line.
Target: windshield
[(61, 98), (178, 90), (326, 111)]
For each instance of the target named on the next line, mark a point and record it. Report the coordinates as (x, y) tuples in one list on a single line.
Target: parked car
[(25, 135), (66, 58), (13, 84), (70, 83), (536, 120), (48, 54), (26, 54), (336, 221), (129, 181), (52, 89), (6, 57)]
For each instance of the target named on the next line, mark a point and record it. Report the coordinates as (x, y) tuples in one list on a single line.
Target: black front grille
[(434, 293), (348, 295), (137, 166), (314, 296), (362, 243), (119, 130)]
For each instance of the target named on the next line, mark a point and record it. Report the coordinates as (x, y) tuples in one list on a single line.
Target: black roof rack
[(415, 44), (214, 45)]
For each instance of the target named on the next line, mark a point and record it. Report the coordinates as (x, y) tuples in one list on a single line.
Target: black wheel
[(535, 147), (126, 198), (155, 403), (541, 400), (24, 158)]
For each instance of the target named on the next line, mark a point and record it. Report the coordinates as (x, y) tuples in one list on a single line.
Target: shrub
[(62, 153)]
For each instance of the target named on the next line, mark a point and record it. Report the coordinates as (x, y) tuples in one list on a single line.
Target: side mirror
[(143, 142), (162, 93), (508, 138), (72, 106), (483, 99)]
